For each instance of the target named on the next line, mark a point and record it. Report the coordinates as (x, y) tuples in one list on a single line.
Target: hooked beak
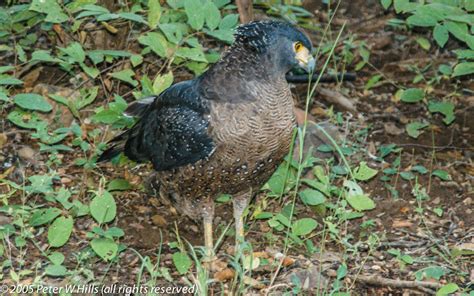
[(306, 60)]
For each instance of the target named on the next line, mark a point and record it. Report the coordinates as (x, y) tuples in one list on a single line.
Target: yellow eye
[(298, 46)]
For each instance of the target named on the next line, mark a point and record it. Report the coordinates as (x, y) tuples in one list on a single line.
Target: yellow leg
[(239, 203), (208, 243)]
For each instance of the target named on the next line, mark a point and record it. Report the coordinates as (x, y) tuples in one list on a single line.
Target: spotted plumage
[(223, 132)]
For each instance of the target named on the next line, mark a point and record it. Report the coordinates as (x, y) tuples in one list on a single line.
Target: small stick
[(326, 78), (376, 280)]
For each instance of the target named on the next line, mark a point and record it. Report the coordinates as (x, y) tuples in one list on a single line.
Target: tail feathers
[(116, 146)]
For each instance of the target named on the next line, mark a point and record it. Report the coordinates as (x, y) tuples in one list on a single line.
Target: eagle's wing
[(172, 129)]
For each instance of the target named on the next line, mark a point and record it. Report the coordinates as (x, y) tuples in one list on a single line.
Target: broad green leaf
[(440, 34), (303, 226), (126, 76), (420, 169), (465, 54), (373, 81), (445, 108), (56, 258), (106, 248), (312, 197), (228, 22), (55, 270), (213, 15), (60, 231), (182, 262), (118, 184), (431, 272), (412, 95), (407, 176), (154, 13), (157, 43), (414, 129), (133, 17), (364, 173), (51, 8), (360, 202), (195, 12), (404, 6), (32, 102), (421, 20), (223, 35), (4, 69), (44, 216), (103, 208), (424, 43), (136, 60), (465, 68), (445, 69), (75, 52), (162, 82), (194, 54), (24, 119), (43, 56), (442, 174), (386, 4), (447, 289), (9, 80)]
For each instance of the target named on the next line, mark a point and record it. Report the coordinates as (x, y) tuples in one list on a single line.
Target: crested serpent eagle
[(225, 131)]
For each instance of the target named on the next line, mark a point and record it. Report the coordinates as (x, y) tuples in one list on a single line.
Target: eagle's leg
[(208, 217), (239, 202)]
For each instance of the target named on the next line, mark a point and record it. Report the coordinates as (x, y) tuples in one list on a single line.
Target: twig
[(376, 280), (325, 78)]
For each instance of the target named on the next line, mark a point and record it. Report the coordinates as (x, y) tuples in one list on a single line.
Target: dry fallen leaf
[(401, 224), (224, 275)]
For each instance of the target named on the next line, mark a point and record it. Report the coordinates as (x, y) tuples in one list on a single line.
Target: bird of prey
[(225, 131)]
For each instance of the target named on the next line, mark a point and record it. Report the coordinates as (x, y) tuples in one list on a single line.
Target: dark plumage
[(225, 131)]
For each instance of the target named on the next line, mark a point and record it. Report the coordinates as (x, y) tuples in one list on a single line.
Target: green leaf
[(312, 197), (407, 259), (420, 169), (465, 68), (223, 35), (126, 76), (51, 8), (106, 248), (194, 54), (414, 129), (441, 35), (32, 102), (421, 20), (447, 289), (364, 173), (44, 216), (424, 43), (132, 17), (442, 174), (154, 13), (431, 272), (412, 95), (228, 22), (195, 13), (213, 15), (75, 52), (60, 231), (182, 262), (43, 56), (136, 60), (407, 176), (373, 81), (465, 54), (157, 43), (445, 108), (303, 226), (56, 258), (9, 80), (404, 6), (118, 184), (103, 208), (162, 82), (360, 202), (55, 270), (24, 119), (386, 4)]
